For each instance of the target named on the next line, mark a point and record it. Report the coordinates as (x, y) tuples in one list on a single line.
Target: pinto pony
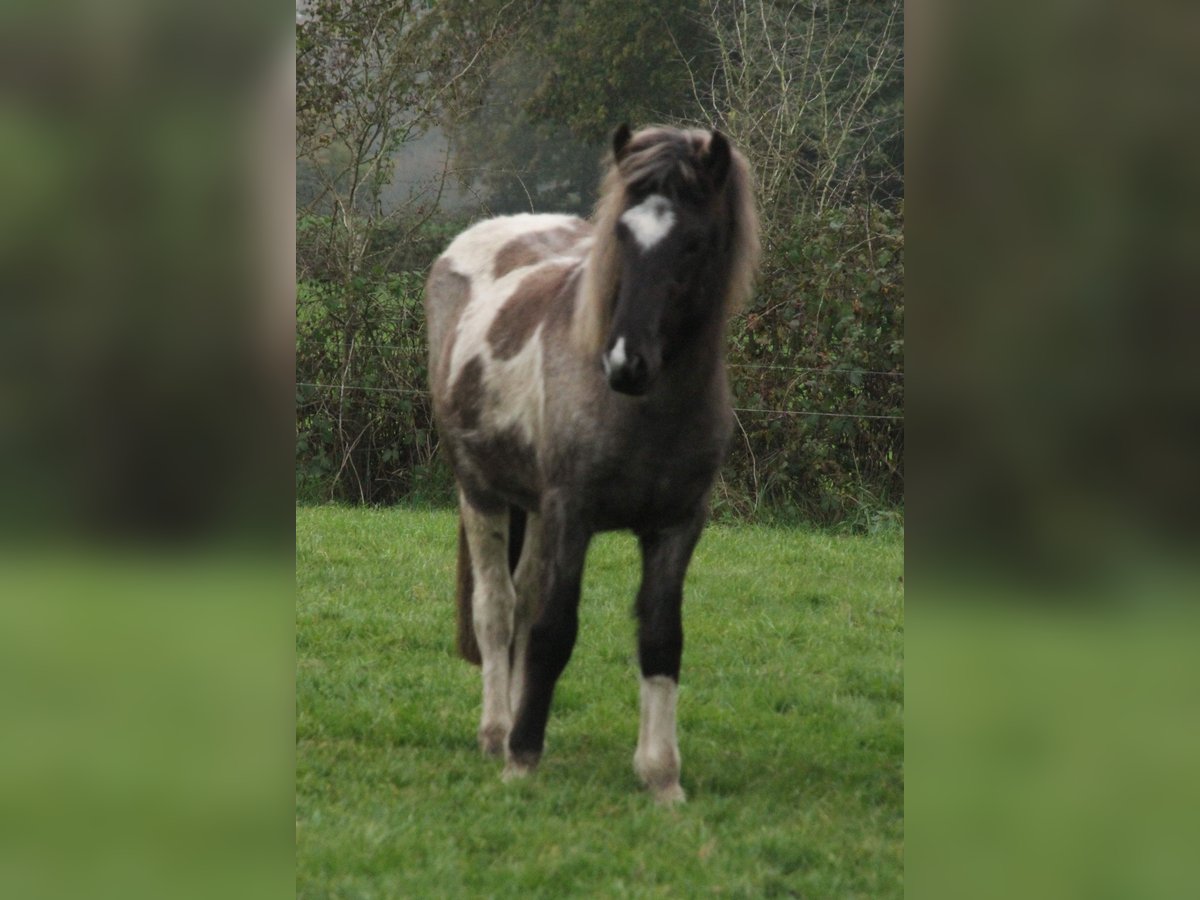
[(579, 386)]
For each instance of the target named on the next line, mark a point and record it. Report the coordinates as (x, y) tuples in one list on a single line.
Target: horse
[(579, 386)]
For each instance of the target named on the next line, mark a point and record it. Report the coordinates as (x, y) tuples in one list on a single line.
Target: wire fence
[(832, 370), (741, 409), (824, 439)]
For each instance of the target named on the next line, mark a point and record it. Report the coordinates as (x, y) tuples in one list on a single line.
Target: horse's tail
[(464, 586), (468, 647)]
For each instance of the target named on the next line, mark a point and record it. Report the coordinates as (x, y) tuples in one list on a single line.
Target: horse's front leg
[(665, 558), (563, 546)]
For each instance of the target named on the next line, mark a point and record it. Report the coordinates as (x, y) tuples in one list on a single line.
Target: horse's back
[(488, 248), (481, 266)]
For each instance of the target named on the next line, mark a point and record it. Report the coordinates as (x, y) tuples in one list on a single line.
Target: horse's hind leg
[(527, 580), (492, 604), (665, 557)]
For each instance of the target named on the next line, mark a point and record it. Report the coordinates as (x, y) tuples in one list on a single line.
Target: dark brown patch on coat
[(532, 248), (539, 293), (466, 395), (502, 469)]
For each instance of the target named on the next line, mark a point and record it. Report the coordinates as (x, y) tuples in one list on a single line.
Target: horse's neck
[(698, 370)]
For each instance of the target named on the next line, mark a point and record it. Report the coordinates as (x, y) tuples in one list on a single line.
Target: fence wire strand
[(741, 409), (832, 370)]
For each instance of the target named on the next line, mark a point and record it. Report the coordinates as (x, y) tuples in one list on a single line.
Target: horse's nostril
[(629, 378)]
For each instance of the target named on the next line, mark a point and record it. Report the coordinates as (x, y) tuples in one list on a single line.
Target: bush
[(364, 426), (819, 361)]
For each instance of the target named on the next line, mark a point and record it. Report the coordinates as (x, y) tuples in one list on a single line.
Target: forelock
[(664, 161)]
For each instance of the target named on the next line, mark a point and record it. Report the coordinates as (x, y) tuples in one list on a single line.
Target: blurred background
[(173, 181), (146, 509), (1052, 686)]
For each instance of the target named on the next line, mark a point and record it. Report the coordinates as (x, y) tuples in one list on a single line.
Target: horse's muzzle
[(625, 383), (630, 376)]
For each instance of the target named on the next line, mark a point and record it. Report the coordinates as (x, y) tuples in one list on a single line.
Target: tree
[(371, 76), (575, 71), (813, 94)]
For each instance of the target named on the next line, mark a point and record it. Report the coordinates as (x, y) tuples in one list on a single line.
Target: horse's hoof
[(520, 765), (515, 773), (660, 775), (669, 795), (492, 739)]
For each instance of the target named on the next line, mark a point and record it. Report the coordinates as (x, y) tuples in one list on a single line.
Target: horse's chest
[(658, 478)]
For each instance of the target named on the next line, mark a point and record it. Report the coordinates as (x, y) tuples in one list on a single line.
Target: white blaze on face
[(650, 221)]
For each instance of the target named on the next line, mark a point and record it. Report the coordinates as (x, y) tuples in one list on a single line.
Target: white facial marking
[(615, 358), (618, 352), (650, 221)]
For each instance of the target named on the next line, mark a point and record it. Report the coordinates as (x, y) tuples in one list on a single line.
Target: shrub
[(819, 360), (364, 427)]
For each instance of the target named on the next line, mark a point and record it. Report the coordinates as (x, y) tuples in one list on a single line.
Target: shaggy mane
[(669, 159)]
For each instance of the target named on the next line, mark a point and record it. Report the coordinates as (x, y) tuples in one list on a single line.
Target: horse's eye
[(692, 247)]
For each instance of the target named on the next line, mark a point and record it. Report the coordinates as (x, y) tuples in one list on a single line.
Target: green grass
[(790, 720)]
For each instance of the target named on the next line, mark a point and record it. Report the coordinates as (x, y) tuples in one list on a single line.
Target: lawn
[(790, 725)]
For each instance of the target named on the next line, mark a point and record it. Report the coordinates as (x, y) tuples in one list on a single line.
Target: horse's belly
[(496, 468)]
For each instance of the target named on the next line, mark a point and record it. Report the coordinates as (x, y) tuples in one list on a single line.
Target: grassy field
[(790, 717)]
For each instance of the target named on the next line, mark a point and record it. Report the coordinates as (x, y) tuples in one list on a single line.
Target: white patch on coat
[(656, 761), (650, 221), (516, 386), (473, 253)]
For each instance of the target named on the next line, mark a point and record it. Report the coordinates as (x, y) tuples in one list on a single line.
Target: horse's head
[(672, 249)]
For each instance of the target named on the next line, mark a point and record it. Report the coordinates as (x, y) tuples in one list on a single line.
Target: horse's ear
[(621, 140), (717, 159)]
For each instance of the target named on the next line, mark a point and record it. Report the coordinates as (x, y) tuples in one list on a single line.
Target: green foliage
[(790, 712), (517, 164), (816, 366), (825, 335), (812, 93), (607, 63), (360, 94), (577, 71), (364, 427)]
